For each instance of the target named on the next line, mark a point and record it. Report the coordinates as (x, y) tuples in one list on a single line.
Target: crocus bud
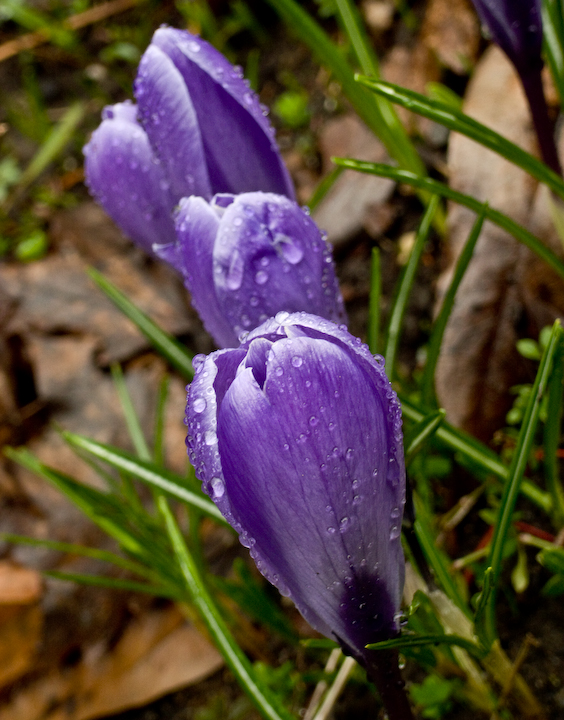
[(202, 129), (516, 26), (296, 436), (246, 257)]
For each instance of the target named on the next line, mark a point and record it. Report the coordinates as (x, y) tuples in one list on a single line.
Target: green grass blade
[(365, 103), (516, 471), (439, 326), (158, 451), (82, 550), (553, 34), (323, 187), (99, 507), (477, 454), (173, 351), (374, 303), (117, 584), (437, 188), (418, 436), (359, 40), (435, 557), (405, 285), (131, 417), (486, 599), (456, 120), (225, 642), (552, 434), (148, 472), (411, 641)]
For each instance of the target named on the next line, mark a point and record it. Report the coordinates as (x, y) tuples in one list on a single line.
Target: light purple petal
[(167, 114), (312, 477), (124, 176), (196, 229), (238, 141), (270, 256)]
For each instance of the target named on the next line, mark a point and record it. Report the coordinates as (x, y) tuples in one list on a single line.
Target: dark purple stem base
[(544, 128), (383, 670)]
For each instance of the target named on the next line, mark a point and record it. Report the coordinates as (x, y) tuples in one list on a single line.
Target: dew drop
[(210, 437), (199, 405), (297, 361), (261, 277), (395, 532), (218, 487), (349, 454), (313, 421)]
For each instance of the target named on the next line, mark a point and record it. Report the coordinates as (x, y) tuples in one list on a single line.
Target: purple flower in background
[(296, 436), (246, 257), (197, 129), (516, 26)]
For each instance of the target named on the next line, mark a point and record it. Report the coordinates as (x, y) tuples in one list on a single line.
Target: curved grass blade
[(131, 417), (437, 188), (373, 329), (323, 187), (173, 351), (215, 624), (553, 33), (82, 550), (456, 120), (358, 38), (374, 112), (418, 436), (412, 641), (117, 584), (552, 434), (477, 454), (150, 473), (435, 341), (516, 471), (405, 285)]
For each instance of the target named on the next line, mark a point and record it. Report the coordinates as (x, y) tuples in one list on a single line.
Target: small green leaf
[(529, 349)]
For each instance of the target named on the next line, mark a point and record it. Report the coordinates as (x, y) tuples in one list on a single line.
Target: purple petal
[(516, 26), (169, 119), (238, 141), (197, 224), (311, 476), (270, 256), (124, 176)]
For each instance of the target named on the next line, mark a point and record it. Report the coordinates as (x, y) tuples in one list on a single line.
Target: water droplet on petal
[(395, 532), (261, 277), (217, 486), (210, 437), (297, 361), (199, 405)]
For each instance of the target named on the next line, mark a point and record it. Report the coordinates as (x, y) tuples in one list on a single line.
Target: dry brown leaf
[(20, 634), (157, 654), (452, 31), (354, 197), (499, 299), (18, 586)]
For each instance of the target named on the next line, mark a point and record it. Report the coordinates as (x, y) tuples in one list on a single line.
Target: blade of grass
[(169, 482), (435, 341), (437, 188), (418, 436), (552, 434), (216, 626), (173, 351), (117, 584), (410, 641), (131, 417), (368, 108), (553, 34), (405, 284), (158, 451), (374, 303), (82, 550), (516, 471), (477, 454), (456, 120), (323, 187), (359, 40)]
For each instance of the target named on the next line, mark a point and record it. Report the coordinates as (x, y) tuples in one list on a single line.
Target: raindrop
[(395, 532), (261, 277), (210, 437), (199, 405), (194, 46), (349, 454), (331, 530), (235, 272), (344, 524), (313, 421), (282, 316), (279, 371), (217, 486), (395, 513), (238, 222), (297, 361)]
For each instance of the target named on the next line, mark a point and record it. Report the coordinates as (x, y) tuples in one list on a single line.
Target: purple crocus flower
[(246, 257), (197, 129), (516, 26), (296, 436)]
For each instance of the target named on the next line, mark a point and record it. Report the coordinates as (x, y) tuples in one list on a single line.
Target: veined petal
[(197, 224), (124, 176), (241, 154), (167, 114), (299, 458), (271, 256)]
